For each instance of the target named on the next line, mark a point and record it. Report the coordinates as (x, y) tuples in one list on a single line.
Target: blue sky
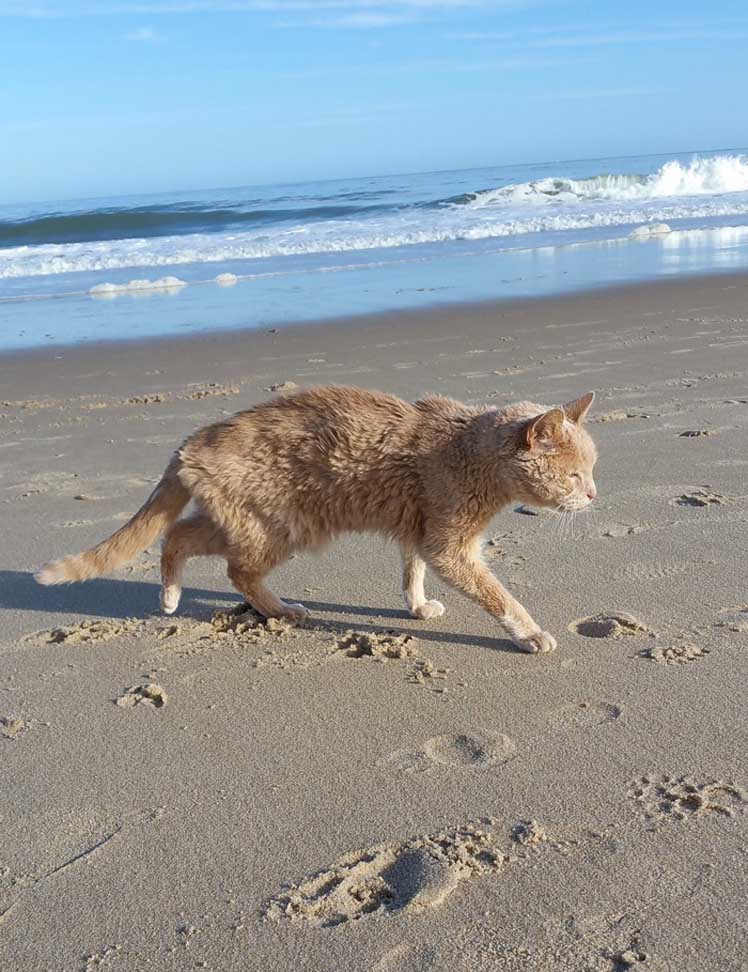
[(123, 96)]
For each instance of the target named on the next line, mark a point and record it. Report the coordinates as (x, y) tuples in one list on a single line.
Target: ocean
[(80, 270)]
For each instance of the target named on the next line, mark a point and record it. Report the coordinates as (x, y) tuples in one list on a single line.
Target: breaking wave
[(360, 215), (700, 177)]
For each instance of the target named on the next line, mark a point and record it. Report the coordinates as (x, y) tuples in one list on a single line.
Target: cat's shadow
[(117, 598)]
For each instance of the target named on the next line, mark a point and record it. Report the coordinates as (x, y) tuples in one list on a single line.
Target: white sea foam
[(700, 190), (700, 177), (108, 291), (226, 279), (648, 231)]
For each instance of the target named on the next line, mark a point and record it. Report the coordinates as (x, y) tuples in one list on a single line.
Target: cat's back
[(321, 422), (329, 414)]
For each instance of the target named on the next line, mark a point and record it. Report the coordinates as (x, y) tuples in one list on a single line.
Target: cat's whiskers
[(560, 523)]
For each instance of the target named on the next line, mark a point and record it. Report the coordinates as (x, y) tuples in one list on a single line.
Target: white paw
[(170, 598), (295, 612), (538, 644), (431, 609)]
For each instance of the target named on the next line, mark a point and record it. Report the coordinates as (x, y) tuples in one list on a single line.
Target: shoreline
[(443, 280), (659, 290)]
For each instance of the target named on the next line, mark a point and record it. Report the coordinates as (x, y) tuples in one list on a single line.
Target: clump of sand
[(211, 390), (368, 644), (426, 672), (675, 654), (150, 694), (11, 726), (529, 833), (155, 399), (245, 623), (615, 624)]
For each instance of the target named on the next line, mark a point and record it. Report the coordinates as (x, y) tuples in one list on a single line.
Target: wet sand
[(367, 791)]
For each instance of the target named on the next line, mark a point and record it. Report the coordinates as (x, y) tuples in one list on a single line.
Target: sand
[(362, 791)]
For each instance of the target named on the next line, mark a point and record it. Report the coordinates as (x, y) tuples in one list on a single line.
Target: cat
[(292, 473)]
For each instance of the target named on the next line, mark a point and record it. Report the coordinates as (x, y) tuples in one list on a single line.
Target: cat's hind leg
[(194, 536), (249, 562), (414, 571)]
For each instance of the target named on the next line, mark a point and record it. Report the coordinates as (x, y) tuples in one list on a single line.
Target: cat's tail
[(153, 518)]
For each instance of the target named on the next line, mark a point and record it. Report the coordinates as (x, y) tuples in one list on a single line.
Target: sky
[(108, 97)]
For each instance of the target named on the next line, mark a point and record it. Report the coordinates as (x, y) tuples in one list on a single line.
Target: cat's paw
[(431, 609), (170, 598), (295, 612), (539, 643)]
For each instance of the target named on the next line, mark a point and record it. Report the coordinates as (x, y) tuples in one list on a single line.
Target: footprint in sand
[(575, 943), (679, 798), (409, 877), (614, 624), (657, 569), (87, 632), (701, 497), (475, 750), (694, 433), (735, 619), (583, 715), (392, 958)]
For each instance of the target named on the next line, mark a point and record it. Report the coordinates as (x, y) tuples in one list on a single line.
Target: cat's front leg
[(461, 566)]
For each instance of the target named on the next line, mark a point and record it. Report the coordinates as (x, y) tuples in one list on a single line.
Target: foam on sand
[(164, 285), (649, 231)]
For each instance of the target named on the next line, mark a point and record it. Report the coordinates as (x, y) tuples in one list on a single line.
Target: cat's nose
[(591, 493)]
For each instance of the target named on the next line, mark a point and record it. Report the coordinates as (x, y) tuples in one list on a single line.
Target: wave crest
[(700, 177)]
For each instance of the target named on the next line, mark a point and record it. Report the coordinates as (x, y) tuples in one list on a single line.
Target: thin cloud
[(70, 8), (543, 38), (143, 35), (584, 94), (366, 20)]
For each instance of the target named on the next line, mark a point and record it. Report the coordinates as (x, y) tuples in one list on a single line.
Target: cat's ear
[(577, 410), (544, 432)]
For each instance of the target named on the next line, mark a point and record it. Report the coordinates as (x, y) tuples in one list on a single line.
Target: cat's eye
[(577, 476)]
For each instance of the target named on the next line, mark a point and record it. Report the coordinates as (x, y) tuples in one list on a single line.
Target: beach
[(367, 791)]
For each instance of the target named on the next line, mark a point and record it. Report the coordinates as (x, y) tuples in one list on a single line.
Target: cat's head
[(556, 457)]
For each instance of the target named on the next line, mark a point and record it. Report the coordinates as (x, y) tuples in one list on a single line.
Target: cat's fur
[(292, 473)]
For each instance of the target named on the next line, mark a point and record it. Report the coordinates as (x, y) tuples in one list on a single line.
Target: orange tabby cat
[(292, 473)]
